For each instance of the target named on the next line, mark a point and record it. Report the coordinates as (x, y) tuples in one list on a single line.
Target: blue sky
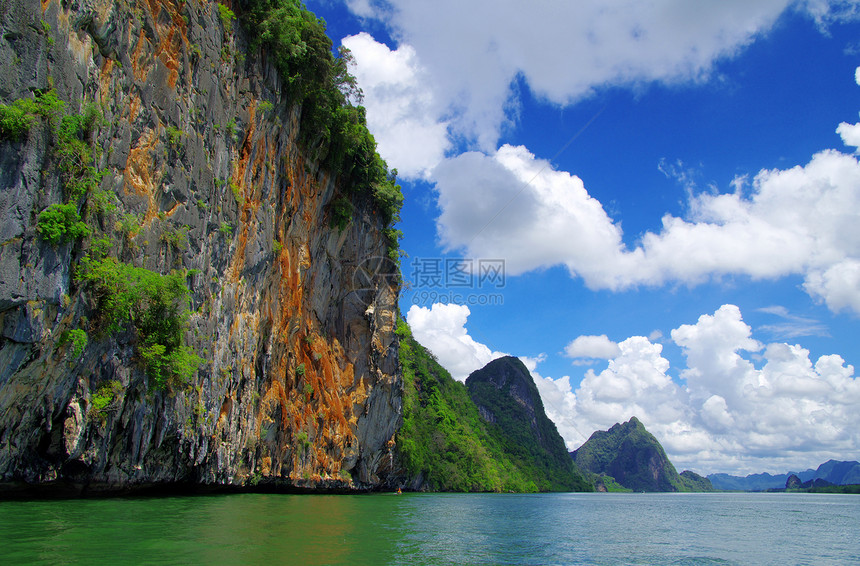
[(677, 213)]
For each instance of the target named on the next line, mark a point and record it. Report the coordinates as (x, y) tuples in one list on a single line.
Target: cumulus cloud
[(451, 76), (801, 220), (726, 415), (474, 51), (838, 285), (599, 347), (850, 134), (442, 330), (402, 111)]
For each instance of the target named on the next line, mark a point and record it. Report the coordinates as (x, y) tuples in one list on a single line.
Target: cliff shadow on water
[(198, 281)]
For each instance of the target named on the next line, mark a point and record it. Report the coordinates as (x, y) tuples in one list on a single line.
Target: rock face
[(293, 319), (793, 482), (633, 457), (509, 402)]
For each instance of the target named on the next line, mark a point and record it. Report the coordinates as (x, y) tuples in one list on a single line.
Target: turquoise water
[(682, 529)]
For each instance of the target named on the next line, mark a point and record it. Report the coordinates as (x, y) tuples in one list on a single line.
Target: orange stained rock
[(105, 78)]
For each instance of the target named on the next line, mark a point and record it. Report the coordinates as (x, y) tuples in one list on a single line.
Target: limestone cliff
[(508, 400), (198, 172)]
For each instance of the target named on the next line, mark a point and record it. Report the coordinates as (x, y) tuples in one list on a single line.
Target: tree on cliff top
[(333, 129)]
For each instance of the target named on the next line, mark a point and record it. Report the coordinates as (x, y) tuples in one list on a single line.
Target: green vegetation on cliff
[(508, 399), (694, 482), (443, 439), (633, 457), (333, 126)]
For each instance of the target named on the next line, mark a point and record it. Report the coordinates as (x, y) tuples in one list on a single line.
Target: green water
[(436, 529)]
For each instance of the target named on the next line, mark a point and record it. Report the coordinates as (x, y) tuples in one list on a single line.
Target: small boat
[(398, 492)]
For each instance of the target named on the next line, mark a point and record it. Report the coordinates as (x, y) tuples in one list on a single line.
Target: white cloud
[(801, 220), (442, 330), (401, 108), (838, 285), (727, 415), (452, 76), (600, 347), (850, 134), (474, 51)]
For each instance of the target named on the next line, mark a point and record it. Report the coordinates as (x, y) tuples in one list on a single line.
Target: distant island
[(833, 472), (629, 458)]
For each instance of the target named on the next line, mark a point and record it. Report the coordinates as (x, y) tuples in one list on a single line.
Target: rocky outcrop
[(200, 174), (510, 404), (793, 482)]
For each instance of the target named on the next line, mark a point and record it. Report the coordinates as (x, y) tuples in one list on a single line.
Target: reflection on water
[(436, 529)]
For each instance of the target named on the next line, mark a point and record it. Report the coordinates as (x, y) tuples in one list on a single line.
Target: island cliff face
[(196, 155), (508, 400)]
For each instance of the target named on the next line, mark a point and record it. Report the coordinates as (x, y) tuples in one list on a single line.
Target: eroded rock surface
[(293, 317)]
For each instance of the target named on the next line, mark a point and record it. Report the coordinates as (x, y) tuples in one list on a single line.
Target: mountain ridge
[(837, 472), (509, 402)]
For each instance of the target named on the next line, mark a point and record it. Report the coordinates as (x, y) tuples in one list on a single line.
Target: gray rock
[(298, 387)]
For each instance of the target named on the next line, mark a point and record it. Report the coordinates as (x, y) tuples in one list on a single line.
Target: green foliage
[(104, 397), (237, 194), (78, 338), (61, 223), (341, 213), (694, 482), (79, 341), (80, 176), (443, 437), (265, 107), (609, 484), (300, 370), (175, 237), (333, 129), (521, 428), (226, 228), (17, 118), (227, 17), (129, 224), (632, 456), (155, 305), (174, 136)]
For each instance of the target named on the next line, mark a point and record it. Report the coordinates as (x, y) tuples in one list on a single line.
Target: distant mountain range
[(628, 458), (833, 471)]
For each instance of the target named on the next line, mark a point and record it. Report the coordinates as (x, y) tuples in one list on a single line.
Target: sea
[(558, 528)]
